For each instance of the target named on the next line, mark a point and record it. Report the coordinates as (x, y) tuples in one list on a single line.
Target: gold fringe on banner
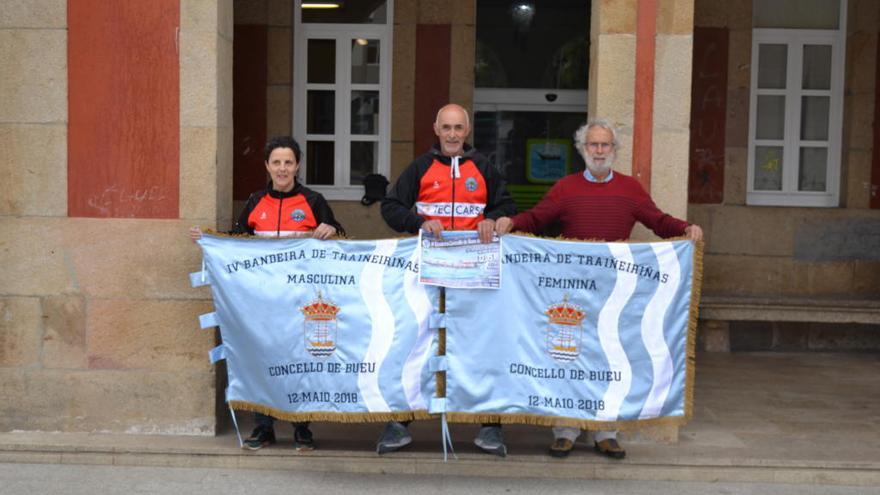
[(693, 317), (335, 417), (534, 419)]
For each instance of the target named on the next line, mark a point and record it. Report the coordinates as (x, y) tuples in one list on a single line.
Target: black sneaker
[(260, 438), (394, 437), (491, 440), (302, 438)]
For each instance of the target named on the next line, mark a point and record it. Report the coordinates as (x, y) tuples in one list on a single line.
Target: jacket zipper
[(453, 200), (278, 229)]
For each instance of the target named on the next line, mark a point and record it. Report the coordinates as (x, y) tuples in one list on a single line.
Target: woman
[(285, 208)]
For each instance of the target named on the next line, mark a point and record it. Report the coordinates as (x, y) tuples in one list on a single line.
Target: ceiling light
[(321, 5)]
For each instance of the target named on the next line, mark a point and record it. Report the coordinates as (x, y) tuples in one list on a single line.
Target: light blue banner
[(333, 330), (579, 334)]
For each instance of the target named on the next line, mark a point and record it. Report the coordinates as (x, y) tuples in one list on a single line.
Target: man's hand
[(503, 225), (486, 228), (694, 233), (195, 233), (324, 231), (434, 227)]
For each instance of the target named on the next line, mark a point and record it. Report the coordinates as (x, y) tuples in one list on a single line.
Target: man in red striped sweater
[(603, 205)]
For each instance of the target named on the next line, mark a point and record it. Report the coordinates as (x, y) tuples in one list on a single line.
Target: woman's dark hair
[(283, 142)]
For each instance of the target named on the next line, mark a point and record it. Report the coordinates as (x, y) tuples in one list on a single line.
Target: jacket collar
[(469, 152), (297, 188)]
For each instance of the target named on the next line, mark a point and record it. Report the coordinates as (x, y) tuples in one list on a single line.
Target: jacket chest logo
[(298, 215), (470, 184)]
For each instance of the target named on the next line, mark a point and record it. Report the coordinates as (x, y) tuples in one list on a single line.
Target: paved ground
[(109, 480), (811, 419)]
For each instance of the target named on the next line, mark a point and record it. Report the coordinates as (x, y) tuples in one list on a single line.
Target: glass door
[(531, 69)]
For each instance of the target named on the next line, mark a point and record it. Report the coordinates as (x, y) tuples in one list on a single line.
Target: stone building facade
[(122, 124)]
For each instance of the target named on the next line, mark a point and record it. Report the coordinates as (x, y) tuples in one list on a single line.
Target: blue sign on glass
[(547, 160)]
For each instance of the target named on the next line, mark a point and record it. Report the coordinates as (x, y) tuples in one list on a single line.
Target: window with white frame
[(342, 93), (796, 105)]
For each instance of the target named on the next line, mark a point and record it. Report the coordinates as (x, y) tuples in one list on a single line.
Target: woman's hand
[(324, 231), (195, 233)]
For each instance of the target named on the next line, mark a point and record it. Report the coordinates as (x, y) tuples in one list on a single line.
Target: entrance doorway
[(531, 74)]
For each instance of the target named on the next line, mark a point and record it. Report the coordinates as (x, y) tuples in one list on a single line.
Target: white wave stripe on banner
[(609, 335), (417, 298), (653, 330), (383, 326)]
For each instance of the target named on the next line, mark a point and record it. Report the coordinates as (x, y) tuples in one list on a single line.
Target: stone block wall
[(767, 251), (33, 113), (748, 336), (98, 324), (784, 251)]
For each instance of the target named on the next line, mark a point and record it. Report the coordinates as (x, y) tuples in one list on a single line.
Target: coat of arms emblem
[(564, 330), (320, 326)]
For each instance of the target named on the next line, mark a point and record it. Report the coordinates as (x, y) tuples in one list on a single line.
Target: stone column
[(33, 202), (206, 112), (672, 105), (98, 329), (613, 69), (859, 97)]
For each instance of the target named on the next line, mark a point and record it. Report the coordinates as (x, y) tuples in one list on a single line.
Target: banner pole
[(235, 423), (441, 380), (441, 346)]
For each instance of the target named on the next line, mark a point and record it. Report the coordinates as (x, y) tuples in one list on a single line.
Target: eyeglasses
[(599, 146)]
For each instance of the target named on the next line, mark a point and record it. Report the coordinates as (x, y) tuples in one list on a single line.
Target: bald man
[(451, 187)]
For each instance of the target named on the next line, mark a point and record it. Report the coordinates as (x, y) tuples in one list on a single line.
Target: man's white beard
[(602, 169)]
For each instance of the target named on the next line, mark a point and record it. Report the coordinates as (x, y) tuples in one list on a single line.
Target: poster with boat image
[(459, 260)]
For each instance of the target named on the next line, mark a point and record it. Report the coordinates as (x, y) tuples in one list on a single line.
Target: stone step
[(645, 462)]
